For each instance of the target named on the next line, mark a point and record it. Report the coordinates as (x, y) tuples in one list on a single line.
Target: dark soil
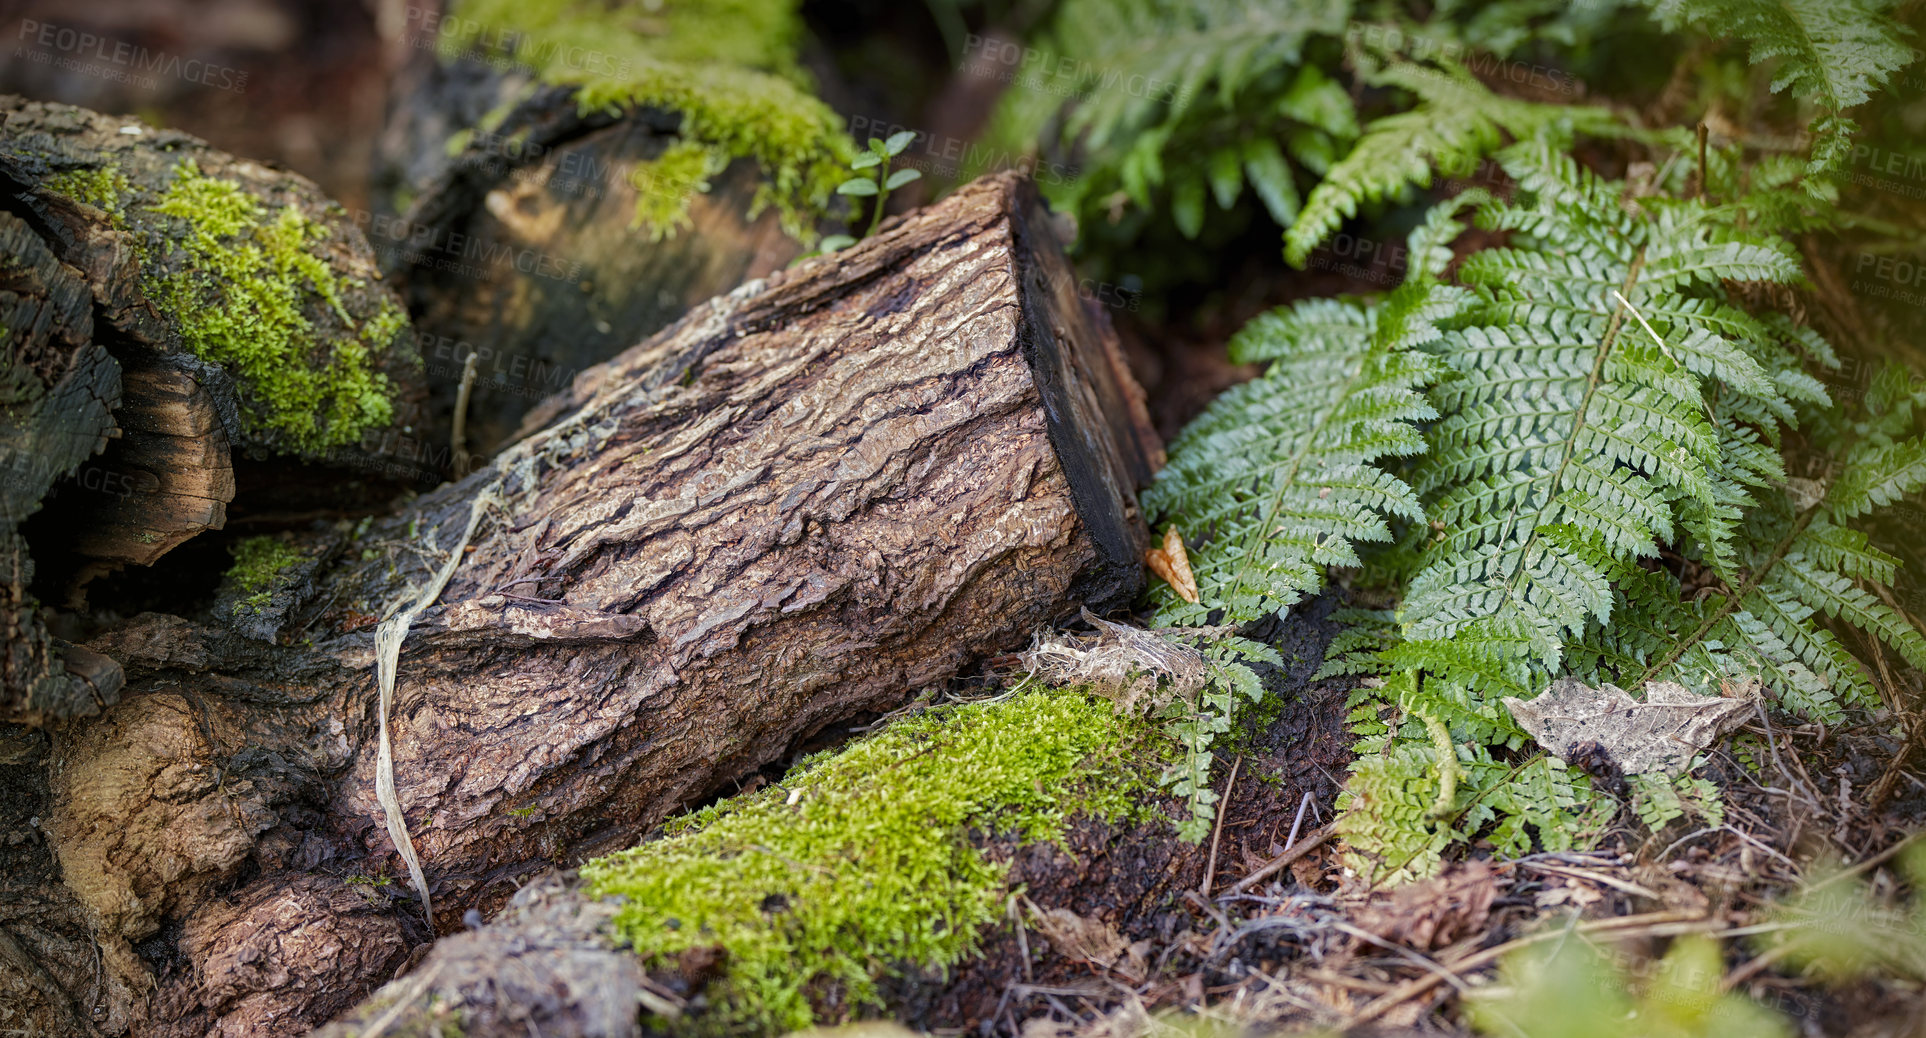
[(1139, 879)]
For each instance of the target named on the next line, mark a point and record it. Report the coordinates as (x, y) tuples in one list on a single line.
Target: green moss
[(665, 187), (727, 65), (860, 862), (103, 187), (239, 302), (258, 563)]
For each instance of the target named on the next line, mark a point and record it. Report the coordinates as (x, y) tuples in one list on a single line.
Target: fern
[(1456, 123), (1605, 400), (1801, 566), (1278, 479), (1576, 431), (1431, 771), (1174, 106), (1833, 53), (1196, 725)]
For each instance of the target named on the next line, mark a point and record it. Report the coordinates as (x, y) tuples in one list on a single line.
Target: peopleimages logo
[(1889, 277), (567, 173), (500, 372), (71, 49), (1483, 64), (457, 253), (992, 57), (508, 49)]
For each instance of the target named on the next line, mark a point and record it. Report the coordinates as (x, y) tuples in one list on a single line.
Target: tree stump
[(798, 505)]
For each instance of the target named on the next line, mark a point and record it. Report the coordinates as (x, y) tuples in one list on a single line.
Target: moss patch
[(860, 861), (258, 562), (727, 65), (104, 187), (239, 302)]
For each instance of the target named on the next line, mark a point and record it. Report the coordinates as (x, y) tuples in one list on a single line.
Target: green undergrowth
[(860, 863), (729, 67), (258, 562), (1563, 445), (240, 298)]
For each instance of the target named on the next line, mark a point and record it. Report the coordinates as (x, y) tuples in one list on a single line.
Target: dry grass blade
[(388, 638)]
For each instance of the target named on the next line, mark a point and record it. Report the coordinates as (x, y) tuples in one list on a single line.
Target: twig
[(415, 989), (1298, 822), (1223, 808), (1023, 941), (458, 437), (1757, 963), (1312, 840), (1441, 972), (1772, 743), (1870, 863), (388, 638), (1592, 877)]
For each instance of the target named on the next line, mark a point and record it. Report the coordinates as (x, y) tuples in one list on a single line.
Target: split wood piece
[(88, 187), (792, 509), (169, 476)]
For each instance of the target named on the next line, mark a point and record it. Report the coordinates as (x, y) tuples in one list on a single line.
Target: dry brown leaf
[(1661, 734), (1091, 940), (1172, 564), (1435, 912), (1138, 669)]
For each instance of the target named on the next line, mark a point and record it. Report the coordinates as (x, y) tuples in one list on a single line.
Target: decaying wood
[(174, 455), (798, 505), (543, 966), (167, 476), (60, 389), (521, 248)]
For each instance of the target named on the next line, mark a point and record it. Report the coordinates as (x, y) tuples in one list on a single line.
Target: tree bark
[(796, 506)]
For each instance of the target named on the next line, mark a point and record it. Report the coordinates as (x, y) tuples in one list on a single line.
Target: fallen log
[(516, 235), (796, 506)]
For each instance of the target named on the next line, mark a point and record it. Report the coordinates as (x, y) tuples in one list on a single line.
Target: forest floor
[(1118, 924)]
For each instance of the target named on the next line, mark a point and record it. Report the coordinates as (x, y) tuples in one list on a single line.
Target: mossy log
[(796, 506), (169, 308), (518, 241)]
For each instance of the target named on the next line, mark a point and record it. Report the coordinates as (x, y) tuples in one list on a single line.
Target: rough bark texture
[(59, 389), (542, 967), (520, 247), (798, 505)]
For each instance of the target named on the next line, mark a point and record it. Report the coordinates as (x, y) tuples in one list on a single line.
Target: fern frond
[(1457, 122), (1579, 429), (1179, 104), (1877, 476), (1833, 53), (1277, 479)]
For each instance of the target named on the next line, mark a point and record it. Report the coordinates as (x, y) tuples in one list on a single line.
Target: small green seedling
[(876, 185)]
